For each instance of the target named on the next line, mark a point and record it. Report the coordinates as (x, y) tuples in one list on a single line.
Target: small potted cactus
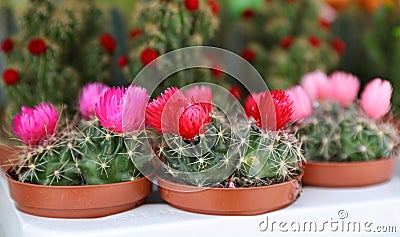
[(83, 168), (215, 156), (347, 142)]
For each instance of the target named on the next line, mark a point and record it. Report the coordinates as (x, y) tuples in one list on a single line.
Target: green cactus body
[(272, 154), (336, 134), (106, 157)]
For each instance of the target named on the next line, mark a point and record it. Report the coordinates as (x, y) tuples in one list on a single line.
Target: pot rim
[(347, 163), (70, 187), (196, 188)]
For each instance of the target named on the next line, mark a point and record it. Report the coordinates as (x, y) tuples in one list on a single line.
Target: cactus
[(57, 49), (226, 154), (337, 134), (285, 39), (163, 26)]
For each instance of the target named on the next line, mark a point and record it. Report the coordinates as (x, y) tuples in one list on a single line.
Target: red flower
[(249, 54), (260, 107), (122, 61), (338, 45), (37, 46), (325, 24), (236, 91), (216, 70), (247, 14), (10, 76), (7, 45), (192, 5), (135, 33), (286, 42), (214, 6), (314, 41), (148, 55), (172, 112), (108, 42)]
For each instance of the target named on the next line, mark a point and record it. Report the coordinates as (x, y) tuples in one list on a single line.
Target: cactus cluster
[(227, 154), (85, 154), (163, 26), (286, 39), (56, 50), (336, 134)]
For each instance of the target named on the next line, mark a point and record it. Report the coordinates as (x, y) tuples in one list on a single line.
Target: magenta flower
[(375, 99), (89, 96), (199, 94), (344, 87), (33, 125), (316, 85), (122, 110), (302, 107)]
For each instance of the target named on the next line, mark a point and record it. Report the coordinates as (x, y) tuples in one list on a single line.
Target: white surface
[(378, 205)]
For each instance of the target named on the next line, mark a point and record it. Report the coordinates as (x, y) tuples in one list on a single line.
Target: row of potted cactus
[(205, 158)]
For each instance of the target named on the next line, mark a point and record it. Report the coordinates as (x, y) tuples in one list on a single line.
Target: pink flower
[(89, 96), (344, 87), (35, 124), (172, 112), (316, 85), (122, 110), (375, 99), (302, 107), (271, 111)]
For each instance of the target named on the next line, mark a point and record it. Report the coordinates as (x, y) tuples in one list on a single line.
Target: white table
[(374, 206)]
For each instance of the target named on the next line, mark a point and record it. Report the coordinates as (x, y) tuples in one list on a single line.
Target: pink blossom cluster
[(342, 88)]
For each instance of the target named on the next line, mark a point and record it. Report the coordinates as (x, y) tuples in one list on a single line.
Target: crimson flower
[(236, 91), (7, 45), (37, 46), (338, 45), (122, 61), (214, 6), (314, 41), (261, 107), (184, 114), (247, 14), (108, 42), (286, 42), (249, 54), (192, 5), (148, 55), (10, 76), (135, 33)]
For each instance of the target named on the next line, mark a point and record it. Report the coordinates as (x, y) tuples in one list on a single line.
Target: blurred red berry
[(247, 14), (10, 76), (314, 41), (148, 55), (214, 6), (135, 33), (216, 70), (192, 5), (122, 61), (37, 46), (286, 42), (7, 45), (108, 42), (325, 24), (236, 91), (338, 45), (249, 54)]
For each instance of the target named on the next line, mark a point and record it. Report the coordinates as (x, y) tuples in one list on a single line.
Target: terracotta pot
[(348, 174), (5, 155), (89, 201), (230, 201)]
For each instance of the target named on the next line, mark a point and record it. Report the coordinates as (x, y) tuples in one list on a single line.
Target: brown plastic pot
[(230, 201), (88, 201), (348, 174)]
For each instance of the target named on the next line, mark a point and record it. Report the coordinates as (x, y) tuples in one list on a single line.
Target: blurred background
[(50, 48)]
